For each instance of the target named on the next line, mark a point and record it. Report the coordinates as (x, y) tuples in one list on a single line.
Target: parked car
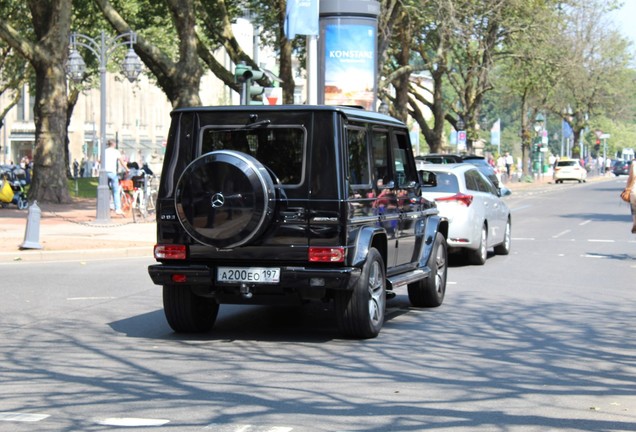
[(478, 217), (569, 169), (621, 167), (479, 161), (282, 205), (482, 164)]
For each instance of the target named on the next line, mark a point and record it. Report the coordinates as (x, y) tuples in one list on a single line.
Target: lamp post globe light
[(102, 48)]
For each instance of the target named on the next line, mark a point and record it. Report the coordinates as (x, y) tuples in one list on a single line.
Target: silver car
[(478, 217)]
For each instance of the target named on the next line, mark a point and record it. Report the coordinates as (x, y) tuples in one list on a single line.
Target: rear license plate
[(248, 275)]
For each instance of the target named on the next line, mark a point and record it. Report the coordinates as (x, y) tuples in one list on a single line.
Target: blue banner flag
[(301, 18), (566, 129)]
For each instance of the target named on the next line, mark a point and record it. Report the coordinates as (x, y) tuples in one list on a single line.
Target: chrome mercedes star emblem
[(218, 200)]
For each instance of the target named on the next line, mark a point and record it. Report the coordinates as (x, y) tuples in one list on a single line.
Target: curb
[(80, 255)]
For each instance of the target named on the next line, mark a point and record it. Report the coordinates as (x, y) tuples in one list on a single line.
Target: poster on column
[(350, 65)]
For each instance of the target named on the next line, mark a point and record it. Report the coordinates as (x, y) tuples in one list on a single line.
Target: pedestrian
[(112, 160), (75, 168), (509, 162), (631, 185)]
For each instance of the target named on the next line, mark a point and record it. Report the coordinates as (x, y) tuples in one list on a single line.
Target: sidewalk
[(69, 232)]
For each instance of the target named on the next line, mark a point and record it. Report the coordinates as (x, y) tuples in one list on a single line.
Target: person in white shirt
[(112, 159)]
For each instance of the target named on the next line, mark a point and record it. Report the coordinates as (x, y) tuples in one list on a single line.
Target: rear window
[(446, 182), (279, 148), (566, 163)]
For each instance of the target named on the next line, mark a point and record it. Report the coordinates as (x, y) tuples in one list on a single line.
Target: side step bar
[(397, 281)]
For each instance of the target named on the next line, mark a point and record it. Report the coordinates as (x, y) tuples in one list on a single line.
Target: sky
[(625, 19)]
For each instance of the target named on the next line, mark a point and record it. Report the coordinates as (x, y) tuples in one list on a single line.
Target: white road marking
[(600, 241), (21, 417), (247, 428), (561, 233), (131, 422), (90, 298), (585, 222), (523, 238), (593, 256)]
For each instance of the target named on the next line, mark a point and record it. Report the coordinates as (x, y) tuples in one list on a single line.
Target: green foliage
[(83, 187)]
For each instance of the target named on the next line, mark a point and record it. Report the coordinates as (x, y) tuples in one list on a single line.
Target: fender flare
[(364, 240), (434, 224)]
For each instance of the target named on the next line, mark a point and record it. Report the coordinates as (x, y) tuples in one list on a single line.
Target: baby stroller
[(12, 183)]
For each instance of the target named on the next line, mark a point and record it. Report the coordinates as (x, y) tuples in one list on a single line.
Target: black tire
[(430, 292), (225, 199), (360, 312), (479, 255), (504, 247), (186, 312)]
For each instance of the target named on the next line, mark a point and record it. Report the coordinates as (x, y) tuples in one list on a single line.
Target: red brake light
[(460, 197), (175, 252), (326, 254)]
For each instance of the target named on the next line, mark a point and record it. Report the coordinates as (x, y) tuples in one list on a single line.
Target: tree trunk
[(49, 170), (285, 60), (51, 22)]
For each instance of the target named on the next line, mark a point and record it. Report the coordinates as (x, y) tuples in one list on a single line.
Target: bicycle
[(143, 197), (126, 198)]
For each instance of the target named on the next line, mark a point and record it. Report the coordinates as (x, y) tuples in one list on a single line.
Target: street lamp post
[(102, 48), (539, 129)]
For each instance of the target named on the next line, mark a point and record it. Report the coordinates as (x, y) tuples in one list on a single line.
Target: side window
[(380, 152), (359, 167), (485, 185), (471, 180), (405, 174)]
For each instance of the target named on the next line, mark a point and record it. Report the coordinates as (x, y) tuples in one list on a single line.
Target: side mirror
[(504, 192)]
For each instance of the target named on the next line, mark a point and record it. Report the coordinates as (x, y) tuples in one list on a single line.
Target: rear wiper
[(257, 124)]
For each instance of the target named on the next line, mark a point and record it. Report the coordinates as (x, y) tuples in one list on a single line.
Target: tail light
[(460, 198), (172, 252), (326, 254)]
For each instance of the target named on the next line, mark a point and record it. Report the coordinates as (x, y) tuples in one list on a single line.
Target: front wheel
[(360, 312), (23, 203), (430, 292), (187, 312)]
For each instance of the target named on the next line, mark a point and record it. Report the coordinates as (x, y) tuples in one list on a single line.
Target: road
[(539, 340)]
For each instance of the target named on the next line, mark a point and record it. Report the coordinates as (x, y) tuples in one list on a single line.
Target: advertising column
[(347, 56)]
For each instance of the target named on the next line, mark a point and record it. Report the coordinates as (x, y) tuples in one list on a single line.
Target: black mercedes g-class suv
[(279, 205)]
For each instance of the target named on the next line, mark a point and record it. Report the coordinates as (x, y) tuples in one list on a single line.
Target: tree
[(595, 62), (45, 46), (179, 78)]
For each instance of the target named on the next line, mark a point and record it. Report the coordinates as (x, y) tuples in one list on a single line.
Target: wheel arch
[(367, 238)]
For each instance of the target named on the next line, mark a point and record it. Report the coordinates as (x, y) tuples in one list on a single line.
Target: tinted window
[(405, 176), (359, 167), (566, 163), (280, 149), (472, 180), (380, 148)]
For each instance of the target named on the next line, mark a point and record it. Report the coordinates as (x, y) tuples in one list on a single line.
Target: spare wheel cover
[(225, 199)]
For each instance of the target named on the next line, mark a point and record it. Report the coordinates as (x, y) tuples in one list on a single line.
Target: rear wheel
[(126, 202), (504, 247), (186, 312), (360, 312), (479, 255), (430, 292)]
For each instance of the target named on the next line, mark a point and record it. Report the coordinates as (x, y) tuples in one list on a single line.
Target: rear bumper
[(294, 280)]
